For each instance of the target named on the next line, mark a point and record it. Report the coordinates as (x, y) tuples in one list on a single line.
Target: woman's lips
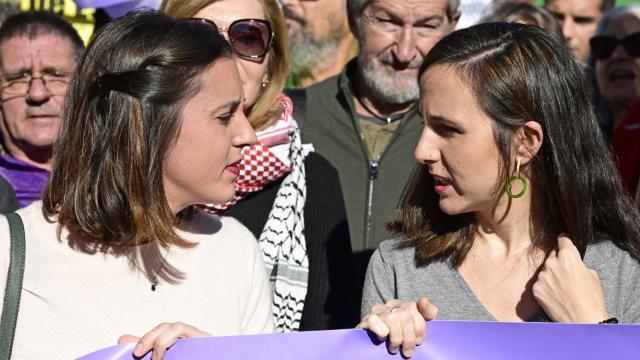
[(441, 184), (234, 168)]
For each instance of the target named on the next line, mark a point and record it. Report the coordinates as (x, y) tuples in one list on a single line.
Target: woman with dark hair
[(287, 195), (153, 125), (515, 212)]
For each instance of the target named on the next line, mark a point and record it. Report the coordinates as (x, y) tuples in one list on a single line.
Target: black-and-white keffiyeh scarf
[(283, 244)]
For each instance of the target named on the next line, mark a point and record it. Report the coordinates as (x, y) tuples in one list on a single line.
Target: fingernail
[(137, 349), (408, 353), (419, 340), (393, 350)]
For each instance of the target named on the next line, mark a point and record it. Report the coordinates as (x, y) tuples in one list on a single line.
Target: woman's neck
[(506, 230)]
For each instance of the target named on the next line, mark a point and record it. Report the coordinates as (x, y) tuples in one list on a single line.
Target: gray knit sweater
[(393, 273)]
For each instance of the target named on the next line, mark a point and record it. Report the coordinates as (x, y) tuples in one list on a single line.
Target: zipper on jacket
[(373, 175)]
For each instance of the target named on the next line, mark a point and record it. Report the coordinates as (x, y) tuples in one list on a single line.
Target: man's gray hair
[(355, 8)]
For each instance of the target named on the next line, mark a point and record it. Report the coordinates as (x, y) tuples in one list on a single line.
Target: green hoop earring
[(517, 176)]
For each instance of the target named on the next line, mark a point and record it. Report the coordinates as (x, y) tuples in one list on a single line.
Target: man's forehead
[(414, 8), (576, 7), (46, 50), (623, 24)]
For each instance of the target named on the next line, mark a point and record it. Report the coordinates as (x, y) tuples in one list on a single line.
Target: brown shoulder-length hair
[(122, 112), (520, 73), (265, 110)]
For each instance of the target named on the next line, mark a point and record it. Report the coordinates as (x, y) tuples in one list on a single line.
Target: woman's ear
[(528, 141)]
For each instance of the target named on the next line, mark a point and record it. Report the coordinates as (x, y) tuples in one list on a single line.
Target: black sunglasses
[(604, 45), (250, 38)]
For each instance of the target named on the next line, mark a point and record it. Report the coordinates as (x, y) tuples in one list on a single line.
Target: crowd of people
[(220, 167)]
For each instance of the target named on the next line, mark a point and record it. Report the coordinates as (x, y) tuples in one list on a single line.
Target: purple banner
[(445, 340), (117, 8)]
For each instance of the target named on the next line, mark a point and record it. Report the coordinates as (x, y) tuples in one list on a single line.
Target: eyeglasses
[(250, 38), (19, 85), (604, 45)]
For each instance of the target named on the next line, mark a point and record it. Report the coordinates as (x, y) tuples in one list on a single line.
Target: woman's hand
[(401, 322), (567, 289), (160, 338)]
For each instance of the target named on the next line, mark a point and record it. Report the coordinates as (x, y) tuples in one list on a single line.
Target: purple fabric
[(27, 180), (445, 340)]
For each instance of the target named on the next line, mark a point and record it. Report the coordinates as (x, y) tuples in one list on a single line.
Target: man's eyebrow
[(19, 71), (584, 18), (54, 70)]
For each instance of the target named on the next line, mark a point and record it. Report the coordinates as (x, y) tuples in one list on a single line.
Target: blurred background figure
[(38, 52), (319, 38), (579, 20), (524, 13), (472, 11), (8, 8), (616, 53)]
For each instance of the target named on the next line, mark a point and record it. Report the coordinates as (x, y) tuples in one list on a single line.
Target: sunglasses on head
[(604, 45), (250, 38)]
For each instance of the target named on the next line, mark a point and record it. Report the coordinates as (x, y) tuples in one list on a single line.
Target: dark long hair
[(123, 111), (520, 73)]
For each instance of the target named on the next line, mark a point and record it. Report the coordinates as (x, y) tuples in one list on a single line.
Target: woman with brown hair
[(153, 126), (515, 212), (288, 196)]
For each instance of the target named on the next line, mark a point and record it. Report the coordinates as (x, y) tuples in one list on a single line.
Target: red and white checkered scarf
[(265, 161)]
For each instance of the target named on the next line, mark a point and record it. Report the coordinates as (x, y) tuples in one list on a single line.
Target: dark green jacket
[(371, 192)]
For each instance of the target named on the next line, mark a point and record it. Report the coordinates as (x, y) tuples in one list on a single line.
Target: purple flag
[(445, 340), (117, 8)]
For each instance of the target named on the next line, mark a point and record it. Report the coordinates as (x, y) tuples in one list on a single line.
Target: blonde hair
[(265, 110)]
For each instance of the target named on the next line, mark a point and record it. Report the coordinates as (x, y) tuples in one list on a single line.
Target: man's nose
[(37, 91), (406, 49), (619, 52), (568, 28)]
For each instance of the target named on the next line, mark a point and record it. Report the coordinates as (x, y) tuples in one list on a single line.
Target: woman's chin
[(450, 208)]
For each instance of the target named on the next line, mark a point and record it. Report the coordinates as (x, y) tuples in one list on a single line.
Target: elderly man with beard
[(365, 120), (38, 52), (319, 39)]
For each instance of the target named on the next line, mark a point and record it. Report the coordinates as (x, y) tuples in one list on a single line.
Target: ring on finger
[(394, 309)]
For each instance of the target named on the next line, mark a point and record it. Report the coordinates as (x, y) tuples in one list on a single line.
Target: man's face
[(394, 36), (579, 20), (315, 28), (32, 119)]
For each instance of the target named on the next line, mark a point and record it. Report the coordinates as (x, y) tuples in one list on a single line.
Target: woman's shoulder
[(221, 230), (393, 251), (606, 256), (605, 250)]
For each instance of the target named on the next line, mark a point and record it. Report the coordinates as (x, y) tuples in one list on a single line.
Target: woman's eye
[(445, 130), (225, 119)]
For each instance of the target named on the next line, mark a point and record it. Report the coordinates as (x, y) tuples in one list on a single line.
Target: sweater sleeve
[(378, 284), (330, 302), (631, 276)]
